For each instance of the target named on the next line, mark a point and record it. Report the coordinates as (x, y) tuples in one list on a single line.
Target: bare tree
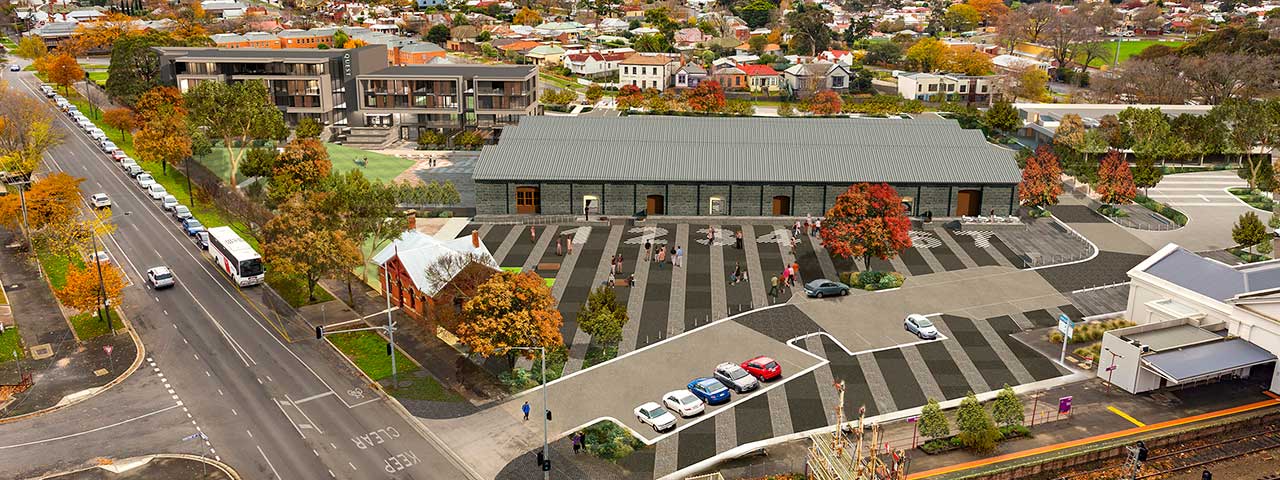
[(1038, 16), (1011, 29), (1149, 17), (1143, 81), (1218, 76), (448, 271)]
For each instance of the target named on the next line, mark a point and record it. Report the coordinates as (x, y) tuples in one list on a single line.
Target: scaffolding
[(853, 451)]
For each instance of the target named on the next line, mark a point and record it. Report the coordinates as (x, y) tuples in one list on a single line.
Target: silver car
[(160, 277), (100, 200), (181, 212), (736, 378), (169, 202), (156, 191), (655, 416), (921, 326), (145, 181)]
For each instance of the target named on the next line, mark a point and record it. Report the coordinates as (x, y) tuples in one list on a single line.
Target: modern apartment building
[(320, 84), (444, 97)]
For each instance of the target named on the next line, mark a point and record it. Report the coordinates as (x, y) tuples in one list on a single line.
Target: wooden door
[(655, 205), (782, 205), (968, 203), (528, 200)]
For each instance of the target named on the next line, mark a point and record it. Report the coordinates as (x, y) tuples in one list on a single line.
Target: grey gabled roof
[(1214, 279), (1206, 360), (745, 149)]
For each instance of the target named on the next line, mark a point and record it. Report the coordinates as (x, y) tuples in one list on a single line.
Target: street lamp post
[(391, 331), (102, 287), (546, 413)]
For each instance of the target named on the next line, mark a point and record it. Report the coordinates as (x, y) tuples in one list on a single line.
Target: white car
[(96, 134), (108, 145), (160, 277), (100, 200), (126, 162), (156, 191), (99, 256), (921, 326), (47, 90), (133, 170), (145, 181), (655, 416), (169, 202), (735, 377), (684, 402)]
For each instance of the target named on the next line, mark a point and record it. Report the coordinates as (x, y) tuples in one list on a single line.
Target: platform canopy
[(1206, 360)]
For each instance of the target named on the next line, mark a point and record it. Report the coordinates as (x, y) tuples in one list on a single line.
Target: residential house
[(956, 88), (418, 53), (594, 64), (806, 79), (762, 78), (690, 75), (516, 50), (730, 78), (223, 8), (420, 273), (769, 49), (843, 57), (1014, 63), (648, 70), (545, 55), (689, 36)]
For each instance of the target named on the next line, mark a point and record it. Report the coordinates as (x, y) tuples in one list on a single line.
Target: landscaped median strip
[(1097, 438)]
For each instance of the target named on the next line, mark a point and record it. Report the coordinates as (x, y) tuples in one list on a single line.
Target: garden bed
[(89, 325), (609, 441), (872, 280), (1247, 256), (368, 351), (1254, 198), (1162, 209), (947, 444), (1091, 331)]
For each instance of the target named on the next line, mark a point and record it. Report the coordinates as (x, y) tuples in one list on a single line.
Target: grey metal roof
[(1172, 337), (745, 149), (265, 54), (1214, 279), (1206, 360), (457, 69)]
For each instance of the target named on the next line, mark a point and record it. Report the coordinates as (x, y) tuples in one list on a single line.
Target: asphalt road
[(268, 408)]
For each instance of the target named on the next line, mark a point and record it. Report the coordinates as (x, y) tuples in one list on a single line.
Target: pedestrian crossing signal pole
[(391, 331)]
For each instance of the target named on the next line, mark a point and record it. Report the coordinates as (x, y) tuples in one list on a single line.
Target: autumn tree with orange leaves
[(825, 102), (50, 200), (165, 138), (510, 310), (83, 292), (1115, 180), (708, 96), (121, 119), (303, 165), (867, 220), (63, 70), (1041, 179)]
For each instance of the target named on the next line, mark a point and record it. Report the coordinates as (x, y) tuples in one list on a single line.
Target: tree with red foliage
[(1115, 180), (630, 96), (1041, 179), (867, 220), (706, 97), (825, 102)]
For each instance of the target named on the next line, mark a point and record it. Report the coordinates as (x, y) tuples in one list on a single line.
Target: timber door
[(968, 203), (655, 205), (528, 200), (781, 205)]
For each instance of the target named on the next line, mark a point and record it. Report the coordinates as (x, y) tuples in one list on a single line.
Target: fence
[(208, 186), (1146, 219)]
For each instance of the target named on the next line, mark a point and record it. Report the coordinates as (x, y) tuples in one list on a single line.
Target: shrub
[(607, 440), (517, 380), (1014, 431), (870, 277), (1092, 331), (848, 278), (1162, 209)]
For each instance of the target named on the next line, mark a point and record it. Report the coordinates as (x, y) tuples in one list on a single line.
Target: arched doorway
[(969, 203), (782, 205), (655, 205), (528, 200)]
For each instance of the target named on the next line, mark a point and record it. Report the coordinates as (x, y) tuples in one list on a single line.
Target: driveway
[(1210, 209)]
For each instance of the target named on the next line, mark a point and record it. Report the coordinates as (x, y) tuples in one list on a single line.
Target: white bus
[(235, 256)]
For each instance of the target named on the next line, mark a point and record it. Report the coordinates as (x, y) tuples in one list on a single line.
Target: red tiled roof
[(582, 57), (758, 70)]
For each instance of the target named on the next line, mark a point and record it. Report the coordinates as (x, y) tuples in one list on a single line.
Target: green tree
[(340, 38), (808, 25), (135, 65), (652, 42), (236, 113), (1146, 174), (977, 431), (757, 13), (603, 315), (594, 93), (1006, 409), (260, 162), (438, 34), (308, 128), (932, 422), (1003, 117), (367, 211), (961, 17), (1248, 231), (757, 44)]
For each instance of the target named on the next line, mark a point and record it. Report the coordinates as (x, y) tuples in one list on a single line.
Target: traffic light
[(319, 332), (546, 465), (388, 349), (1142, 451), (548, 415), (1206, 475), (541, 459)]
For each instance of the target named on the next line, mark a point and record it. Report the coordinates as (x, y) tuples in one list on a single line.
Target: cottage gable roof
[(417, 251)]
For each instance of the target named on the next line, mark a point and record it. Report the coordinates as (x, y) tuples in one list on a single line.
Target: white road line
[(353, 466), (233, 412), (86, 432), (313, 397), (250, 433), (304, 414), (286, 415), (264, 457)]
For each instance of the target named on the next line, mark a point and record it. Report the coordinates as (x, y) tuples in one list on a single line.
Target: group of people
[(562, 242), (673, 255), (784, 281), (615, 268)]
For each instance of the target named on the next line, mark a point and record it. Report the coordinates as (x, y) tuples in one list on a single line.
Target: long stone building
[(697, 166)]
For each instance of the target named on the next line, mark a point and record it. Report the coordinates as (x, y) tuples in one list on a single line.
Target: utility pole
[(391, 348), (102, 287)]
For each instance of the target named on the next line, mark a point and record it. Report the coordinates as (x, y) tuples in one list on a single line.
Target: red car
[(118, 155), (763, 368)]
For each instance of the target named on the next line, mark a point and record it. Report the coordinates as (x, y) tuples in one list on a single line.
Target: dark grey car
[(825, 288)]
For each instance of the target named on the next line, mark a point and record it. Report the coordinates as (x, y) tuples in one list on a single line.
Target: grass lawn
[(8, 43), (55, 266), (423, 387), (560, 82), (369, 352), (173, 181), (597, 354), (10, 342), (1128, 49), (294, 290), (380, 167), (99, 77), (88, 325)]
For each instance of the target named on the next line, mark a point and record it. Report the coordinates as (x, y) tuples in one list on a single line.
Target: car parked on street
[(145, 181), (684, 403), (107, 146), (181, 212), (168, 202), (47, 91), (99, 256), (709, 390), (100, 200), (118, 155), (921, 326), (764, 368), (192, 226), (736, 377), (133, 170), (156, 191), (825, 288), (160, 277), (126, 161), (654, 415), (201, 239)]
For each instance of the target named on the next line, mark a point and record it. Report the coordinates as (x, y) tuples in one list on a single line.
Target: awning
[(1206, 360)]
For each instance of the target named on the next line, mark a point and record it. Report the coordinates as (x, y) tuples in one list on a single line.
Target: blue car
[(192, 226), (709, 390)]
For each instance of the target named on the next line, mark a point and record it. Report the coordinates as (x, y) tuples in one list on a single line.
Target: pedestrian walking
[(559, 246), (577, 443), (679, 255), (738, 239), (647, 247), (568, 243), (786, 276), (817, 227), (533, 236), (795, 230), (773, 296), (613, 278), (662, 257), (671, 257), (711, 235), (525, 408), (795, 272), (631, 280), (613, 265), (619, 262), (737, 272)]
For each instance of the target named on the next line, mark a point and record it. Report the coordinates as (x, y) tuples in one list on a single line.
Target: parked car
[(825, 288), (96, 134), (47, 91), (709, 390), (107, 146), (99, 256), (15, 68), (145, 181), (157, 191), (100, 200), (921, 326), (684, 403), (160, 277), (118, 155), (655, 416), (73, 111), (202, 240), (181, 212), (764, 368), (735, 377), (192, 226), (168, 202), (126, 161), (133, 170)]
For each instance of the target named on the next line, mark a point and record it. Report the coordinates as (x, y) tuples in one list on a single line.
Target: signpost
[(1064, 405), (1066, 327), (110, 361), (915, 427)]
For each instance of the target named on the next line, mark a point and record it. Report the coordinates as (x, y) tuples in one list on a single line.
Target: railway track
[(1170, 462)]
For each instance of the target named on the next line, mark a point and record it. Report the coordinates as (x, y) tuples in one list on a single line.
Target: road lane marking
[(1125, 416), (313, 397), (264, 457), (86, 432), (353, 466), (233, 412), (304, 414), (286, 415), (250, 433)]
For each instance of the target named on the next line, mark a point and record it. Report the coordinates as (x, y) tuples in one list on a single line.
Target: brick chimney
[(412, 216), (475, 239)]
